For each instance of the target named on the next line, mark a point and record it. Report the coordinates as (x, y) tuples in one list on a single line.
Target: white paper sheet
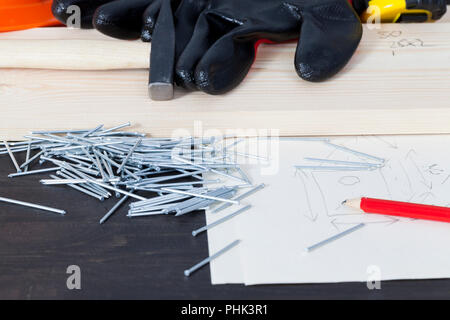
[(299, 208), (227, 268)]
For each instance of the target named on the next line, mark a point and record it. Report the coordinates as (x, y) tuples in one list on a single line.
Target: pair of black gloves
[(216, 40)]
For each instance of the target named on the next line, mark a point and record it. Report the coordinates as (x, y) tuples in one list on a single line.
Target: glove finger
[(151, 15), (186, 16), (329, 36), (149, 20), (225, 64), (62, 10), (208, 30), (121, 19)]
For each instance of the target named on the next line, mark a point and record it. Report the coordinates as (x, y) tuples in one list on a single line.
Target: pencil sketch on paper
[(349, 180), (393, 171)]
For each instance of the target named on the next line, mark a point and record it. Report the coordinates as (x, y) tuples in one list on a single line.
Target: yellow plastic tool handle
[(391, 11)]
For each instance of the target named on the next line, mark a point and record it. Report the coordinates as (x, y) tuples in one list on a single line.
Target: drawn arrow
[(388, 221), (424, 181)]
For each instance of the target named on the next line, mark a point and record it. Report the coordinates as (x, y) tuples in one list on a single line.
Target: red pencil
[(400, 209)]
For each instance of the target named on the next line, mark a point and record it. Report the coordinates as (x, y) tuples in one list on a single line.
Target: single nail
[(115, 128), (347, 163), (27, 157), (130, 152), (222, 220), (191, 270), (357, 153), (204, 196), (335, 237), (26, 173), (102, 193), (11, 155), (337, 168), (113, 209), (89, 193), (239, 198), (32, 205)]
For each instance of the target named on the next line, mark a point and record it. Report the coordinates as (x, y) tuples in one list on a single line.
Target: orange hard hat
[(25, 14)]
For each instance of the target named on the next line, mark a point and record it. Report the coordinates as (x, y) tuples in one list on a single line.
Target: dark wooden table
[(141, 258)]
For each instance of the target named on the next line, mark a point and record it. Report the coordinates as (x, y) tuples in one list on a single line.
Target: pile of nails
[(101, 162)]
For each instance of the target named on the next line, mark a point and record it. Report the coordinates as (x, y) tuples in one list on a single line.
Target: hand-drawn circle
[(349, 180)]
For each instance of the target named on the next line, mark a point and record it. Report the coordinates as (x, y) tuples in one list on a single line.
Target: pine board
[(395, 84)]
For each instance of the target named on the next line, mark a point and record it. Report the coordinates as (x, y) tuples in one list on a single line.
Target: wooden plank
[(397, 83), (74, 54)]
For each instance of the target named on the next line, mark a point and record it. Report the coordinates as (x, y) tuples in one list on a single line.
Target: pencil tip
[(344, 202)]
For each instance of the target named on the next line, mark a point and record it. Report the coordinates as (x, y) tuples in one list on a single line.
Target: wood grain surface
[(131, 259), (397, 83)]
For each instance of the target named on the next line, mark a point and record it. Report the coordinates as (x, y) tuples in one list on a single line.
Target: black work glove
[(169, 22), (130, 19), (222, 48)]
